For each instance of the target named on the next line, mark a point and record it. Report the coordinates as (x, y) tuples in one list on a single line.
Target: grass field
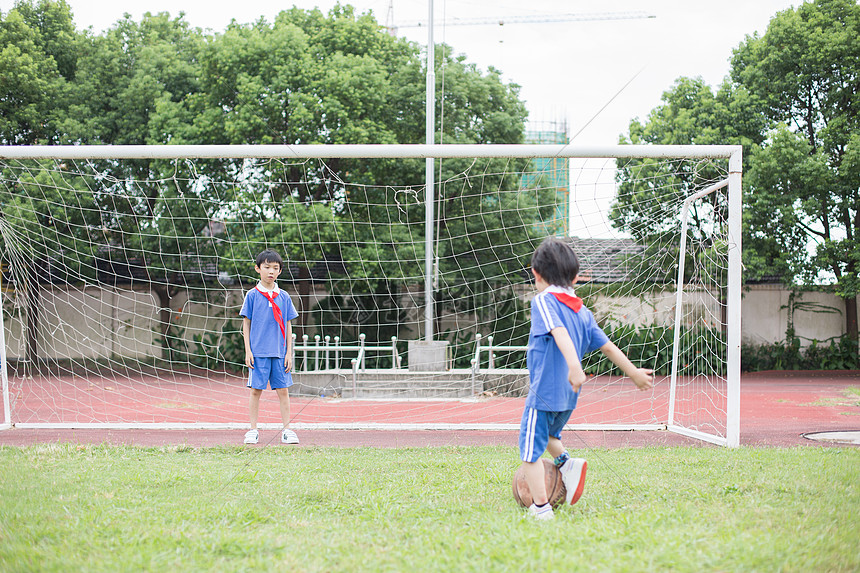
[(99, 508)]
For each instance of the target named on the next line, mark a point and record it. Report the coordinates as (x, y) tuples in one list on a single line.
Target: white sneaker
[(541, 513), (289, 437), (252, 437), (573, 476)]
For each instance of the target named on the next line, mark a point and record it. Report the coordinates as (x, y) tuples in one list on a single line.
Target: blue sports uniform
[(268, 344), (551, 398)]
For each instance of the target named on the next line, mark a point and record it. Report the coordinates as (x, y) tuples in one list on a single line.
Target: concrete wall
[(101, 322), (765, 314), (89, 322)]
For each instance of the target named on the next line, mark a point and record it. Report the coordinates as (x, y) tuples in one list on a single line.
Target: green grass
[(100, 508), (850, 398)]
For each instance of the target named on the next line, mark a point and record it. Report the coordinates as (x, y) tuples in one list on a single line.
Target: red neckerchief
[(276, 311), (569, 300)]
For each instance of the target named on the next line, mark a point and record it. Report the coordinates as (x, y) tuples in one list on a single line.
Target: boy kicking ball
[(268, 333), (562, 332)]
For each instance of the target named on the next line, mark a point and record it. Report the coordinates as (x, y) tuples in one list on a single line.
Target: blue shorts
[(269, 372), (536, 428)]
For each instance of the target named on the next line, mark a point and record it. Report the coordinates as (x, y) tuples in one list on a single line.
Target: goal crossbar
[(410, 151)]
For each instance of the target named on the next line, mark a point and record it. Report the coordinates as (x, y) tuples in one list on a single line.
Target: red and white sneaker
[(573, 476)]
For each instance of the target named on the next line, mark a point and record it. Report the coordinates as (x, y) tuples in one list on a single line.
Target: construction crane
[(531, 19)]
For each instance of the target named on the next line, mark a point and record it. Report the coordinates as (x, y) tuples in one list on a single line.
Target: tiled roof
[(606, 260)]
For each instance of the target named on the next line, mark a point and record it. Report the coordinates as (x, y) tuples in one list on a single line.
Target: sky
[(592, 76)]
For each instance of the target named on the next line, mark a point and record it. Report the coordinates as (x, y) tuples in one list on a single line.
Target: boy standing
[(268, 333), (562, 332)]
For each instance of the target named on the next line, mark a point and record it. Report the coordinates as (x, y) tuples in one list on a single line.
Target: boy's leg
[(284, 400), (572, 469), (534, 474), (555, 424), (278, 383), (252, 436), (254, 406), (533, 441), (554, 447), (257, 380)]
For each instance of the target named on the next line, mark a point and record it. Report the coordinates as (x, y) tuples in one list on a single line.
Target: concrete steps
[(403, 384), (411, 385)]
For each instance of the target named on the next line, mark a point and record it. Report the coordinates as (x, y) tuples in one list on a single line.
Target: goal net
[(124, 268)]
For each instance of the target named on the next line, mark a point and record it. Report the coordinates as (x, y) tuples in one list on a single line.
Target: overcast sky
[(568, 70)]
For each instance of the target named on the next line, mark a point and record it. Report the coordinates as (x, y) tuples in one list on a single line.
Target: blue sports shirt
[(549, 388), (265, 338)]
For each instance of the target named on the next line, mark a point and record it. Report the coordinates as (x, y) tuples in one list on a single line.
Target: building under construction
[(551, 173)]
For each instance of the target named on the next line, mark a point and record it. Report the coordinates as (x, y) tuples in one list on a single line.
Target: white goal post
[(90, 185)]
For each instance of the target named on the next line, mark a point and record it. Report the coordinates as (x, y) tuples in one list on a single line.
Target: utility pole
[(429, 183)]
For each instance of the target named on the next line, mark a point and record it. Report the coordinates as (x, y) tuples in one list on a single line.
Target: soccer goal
[(124, 267)]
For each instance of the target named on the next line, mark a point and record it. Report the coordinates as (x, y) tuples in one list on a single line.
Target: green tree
[(651, 191), (131, 83), (338, 78), (305, 78), (790, 101), (38, 50), (805, 70)]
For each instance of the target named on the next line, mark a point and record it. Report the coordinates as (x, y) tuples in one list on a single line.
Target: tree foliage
[(304, 78), (651, 191), (791, 102), (806, 72), (38, 53)]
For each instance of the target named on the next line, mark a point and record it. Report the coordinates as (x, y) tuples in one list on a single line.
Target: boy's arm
[(246, 335), (288, 358), (576, 375), (642, 377)]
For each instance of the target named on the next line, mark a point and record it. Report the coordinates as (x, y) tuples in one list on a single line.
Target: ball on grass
[(555, 489)]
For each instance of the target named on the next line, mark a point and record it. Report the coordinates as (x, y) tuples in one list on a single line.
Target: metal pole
[(4, 375), (346, 151), (429, 195), (733, 378), (679, 293)]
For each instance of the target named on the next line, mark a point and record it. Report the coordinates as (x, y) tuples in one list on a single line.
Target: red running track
[(777, 409)]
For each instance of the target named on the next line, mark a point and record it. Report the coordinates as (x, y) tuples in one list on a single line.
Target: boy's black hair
[(269, 256), (555, 261)]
